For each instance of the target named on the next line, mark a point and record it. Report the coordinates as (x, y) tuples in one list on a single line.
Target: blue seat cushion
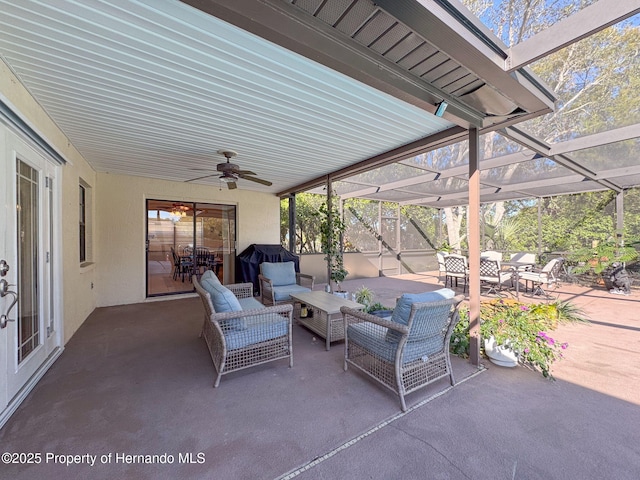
[(374, 338), (256, 333), (281, 273), (283, 293), (403, 308), (250, 303)]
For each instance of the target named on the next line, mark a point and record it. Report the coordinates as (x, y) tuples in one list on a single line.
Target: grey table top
[(326, 302)]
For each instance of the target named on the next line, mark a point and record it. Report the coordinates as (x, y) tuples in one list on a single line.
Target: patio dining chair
[(181, 266), (491, 274), (548, 276), (456, 268), (409, 351), (201, 256)]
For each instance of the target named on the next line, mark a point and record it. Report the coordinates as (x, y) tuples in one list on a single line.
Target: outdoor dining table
[(515, 268)]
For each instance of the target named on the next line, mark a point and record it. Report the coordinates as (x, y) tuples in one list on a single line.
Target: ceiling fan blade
[(257, 180), (232, 185), (244, 172), (200, 178)]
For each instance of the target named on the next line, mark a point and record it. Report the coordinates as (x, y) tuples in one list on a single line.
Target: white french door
[(29, 330)]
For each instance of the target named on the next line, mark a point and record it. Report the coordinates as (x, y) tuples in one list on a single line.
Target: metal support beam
[(474, 246), (330, 222), (544, 149), (620, 219), (398, 240), (440, 242), (582, 24), (597, 139), (380, 266), (292, 224), (539, 227)]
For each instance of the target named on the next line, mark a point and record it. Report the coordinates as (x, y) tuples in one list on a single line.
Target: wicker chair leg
[(403, 405), (216, 384), (400, 385), (452, 380)]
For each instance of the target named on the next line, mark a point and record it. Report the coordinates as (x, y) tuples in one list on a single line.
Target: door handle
[(4, 268), (4, 291)]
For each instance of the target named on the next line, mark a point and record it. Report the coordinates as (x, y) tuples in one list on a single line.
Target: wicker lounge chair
[(249, 333), (409, 351), (279, 280)]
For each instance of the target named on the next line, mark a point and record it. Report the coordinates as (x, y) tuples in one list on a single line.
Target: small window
[(84, 217)]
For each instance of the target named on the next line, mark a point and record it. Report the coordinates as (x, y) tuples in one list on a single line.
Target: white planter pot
[(500, 354), (342, 294)]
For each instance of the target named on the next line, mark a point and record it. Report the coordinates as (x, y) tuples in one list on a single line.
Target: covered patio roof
[(603, 161), (306, 89)]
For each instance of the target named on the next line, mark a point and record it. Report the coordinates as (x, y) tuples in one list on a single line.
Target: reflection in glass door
[(28, 272), (186, 239)]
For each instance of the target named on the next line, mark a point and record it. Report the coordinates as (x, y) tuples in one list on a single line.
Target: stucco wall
[(356, 264), (117, 274), (120, 227), (78, 297)]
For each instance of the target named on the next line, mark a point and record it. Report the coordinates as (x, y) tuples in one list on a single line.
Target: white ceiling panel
[(155, 88)]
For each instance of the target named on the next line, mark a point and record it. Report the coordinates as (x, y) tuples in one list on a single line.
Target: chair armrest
[(305, 280), (282, 310), (351, 315), (241, 290)]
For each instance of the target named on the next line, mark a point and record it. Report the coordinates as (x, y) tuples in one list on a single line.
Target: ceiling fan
[(231, 172)]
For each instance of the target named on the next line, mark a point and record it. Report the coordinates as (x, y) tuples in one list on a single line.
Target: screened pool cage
[(399, 239)]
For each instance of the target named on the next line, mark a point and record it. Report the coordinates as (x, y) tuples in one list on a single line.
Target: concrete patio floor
[(137, 380)]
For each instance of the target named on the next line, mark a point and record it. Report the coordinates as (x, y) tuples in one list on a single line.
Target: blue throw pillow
[(283, 273), (403, 307), (209, 275), (222, 298)]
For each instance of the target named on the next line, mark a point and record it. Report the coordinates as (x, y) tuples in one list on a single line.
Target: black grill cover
[(249, 260)]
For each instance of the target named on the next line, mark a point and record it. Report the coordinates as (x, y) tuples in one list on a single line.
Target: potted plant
[(513, 330), (364, 296), (599, 260), (331, 230), (515, 333)]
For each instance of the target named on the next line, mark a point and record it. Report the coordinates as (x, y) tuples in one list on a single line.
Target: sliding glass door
[(186, 239)]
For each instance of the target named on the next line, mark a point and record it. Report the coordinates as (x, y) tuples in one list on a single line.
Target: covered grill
[(249, 260)]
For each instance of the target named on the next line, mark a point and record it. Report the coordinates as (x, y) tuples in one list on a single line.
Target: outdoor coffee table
[(326, 319)]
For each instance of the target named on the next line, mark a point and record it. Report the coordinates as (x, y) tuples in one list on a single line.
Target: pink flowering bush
[(526, 329)]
